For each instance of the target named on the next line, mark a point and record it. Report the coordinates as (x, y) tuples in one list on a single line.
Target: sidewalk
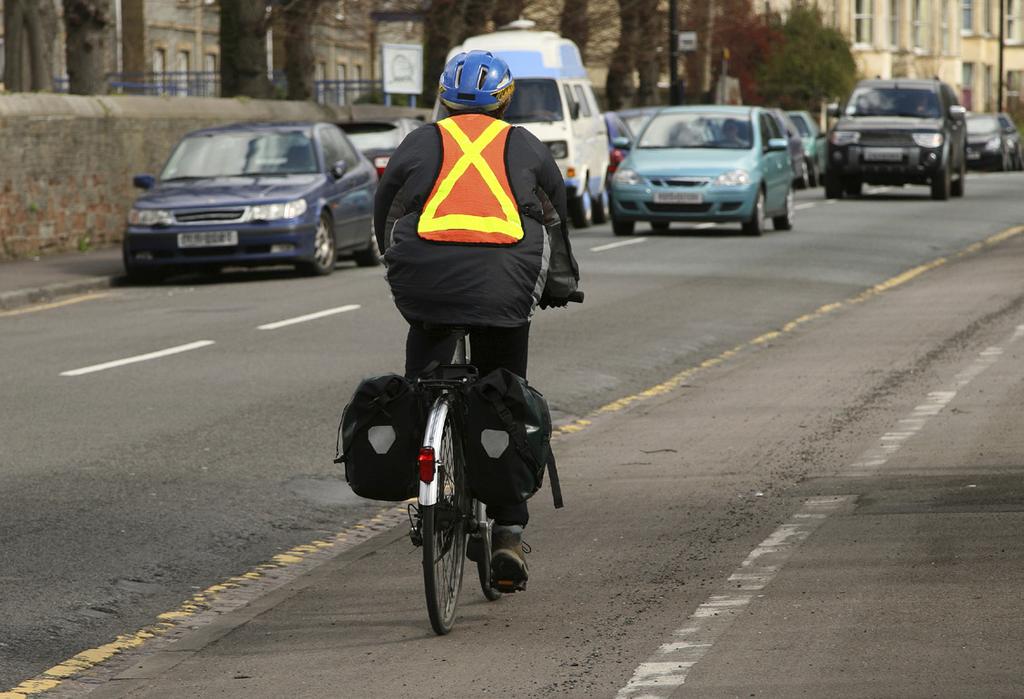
[(32, 280)]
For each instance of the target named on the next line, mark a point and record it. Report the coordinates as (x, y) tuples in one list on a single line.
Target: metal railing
[(343, 92)]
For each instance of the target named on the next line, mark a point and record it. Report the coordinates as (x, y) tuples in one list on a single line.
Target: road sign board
[(686, 41), (402, 65)]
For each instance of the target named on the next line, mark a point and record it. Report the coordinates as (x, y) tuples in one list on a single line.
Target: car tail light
[(381, 163), (426, 464), (616, 157)]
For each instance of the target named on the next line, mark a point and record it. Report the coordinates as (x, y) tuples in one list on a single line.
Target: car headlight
[(993, 144), (733, 178), (844, 138), (150, 217), (928, 139), (559, 149), (276, 212), (627, 176)]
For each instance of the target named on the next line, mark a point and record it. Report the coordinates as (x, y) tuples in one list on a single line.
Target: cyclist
[(470, 215)]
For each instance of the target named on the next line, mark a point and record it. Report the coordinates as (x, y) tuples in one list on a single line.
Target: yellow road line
[(87, 659), (51, 305)]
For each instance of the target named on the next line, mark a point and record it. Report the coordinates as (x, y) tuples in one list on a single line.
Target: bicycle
[(448, 522)]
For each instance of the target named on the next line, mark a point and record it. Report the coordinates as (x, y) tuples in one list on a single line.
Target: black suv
[(897, 132)]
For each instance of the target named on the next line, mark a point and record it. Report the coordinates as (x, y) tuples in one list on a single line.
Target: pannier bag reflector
[(472, 199)]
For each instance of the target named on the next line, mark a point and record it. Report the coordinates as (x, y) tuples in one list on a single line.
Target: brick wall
[(66, 162)]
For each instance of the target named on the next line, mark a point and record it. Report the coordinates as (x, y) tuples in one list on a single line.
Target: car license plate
[(885, 155), (207, 239), (678, 198), (973, 155)]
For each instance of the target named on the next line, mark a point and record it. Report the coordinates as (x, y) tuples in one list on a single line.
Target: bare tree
[(650, 25), (243, 48), (507, 11), (29, 26), (476, 15), (619, 86), (88, 27), (575, 24), (298, 19), (443, 24)]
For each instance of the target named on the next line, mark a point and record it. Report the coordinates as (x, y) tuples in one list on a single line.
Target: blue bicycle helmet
[(476, 80)]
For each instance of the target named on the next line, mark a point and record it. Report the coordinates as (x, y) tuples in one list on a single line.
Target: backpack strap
[(517, 432)]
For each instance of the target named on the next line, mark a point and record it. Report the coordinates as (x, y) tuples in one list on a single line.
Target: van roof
[(530, 54)]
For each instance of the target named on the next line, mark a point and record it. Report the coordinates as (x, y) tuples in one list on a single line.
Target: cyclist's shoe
[(509, 571)]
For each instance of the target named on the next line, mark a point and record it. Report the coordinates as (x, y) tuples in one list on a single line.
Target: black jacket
[(466, 284)]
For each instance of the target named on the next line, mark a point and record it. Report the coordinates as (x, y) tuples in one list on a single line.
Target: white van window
[(570, 100), (535, 99), (581, 97)]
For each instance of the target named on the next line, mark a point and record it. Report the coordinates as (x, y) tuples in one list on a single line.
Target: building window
[(944, 27), (987, 88), (986, 16), (160, 61), (920, 25), (1013, 20), (320, 72), (967, 85), (967, 20), (342, 71), (894, 23), (183, 62), (862, 22)]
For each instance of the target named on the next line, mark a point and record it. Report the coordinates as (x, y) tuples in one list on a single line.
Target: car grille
[(209, 215), (679, 181), (896, 138)]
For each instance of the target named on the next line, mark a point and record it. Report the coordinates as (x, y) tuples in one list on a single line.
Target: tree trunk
[(299, 59), (243, 49), (619, 85), (478, 12), (575, 24), (506, 11), (28, 50), (88, 25), (442, 26), (649, 25)]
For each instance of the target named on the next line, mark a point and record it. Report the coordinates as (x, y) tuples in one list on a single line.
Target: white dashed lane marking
[(808, 205), (619, 244), (139, 358), (309, 316)]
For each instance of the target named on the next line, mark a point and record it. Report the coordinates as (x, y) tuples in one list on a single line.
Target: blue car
[(706, 163), (254, 194)]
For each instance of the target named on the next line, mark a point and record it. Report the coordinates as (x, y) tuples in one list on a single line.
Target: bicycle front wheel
[(444, 531)]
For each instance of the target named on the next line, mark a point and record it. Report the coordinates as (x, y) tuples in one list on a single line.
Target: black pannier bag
[(507, 440), (379, 438)]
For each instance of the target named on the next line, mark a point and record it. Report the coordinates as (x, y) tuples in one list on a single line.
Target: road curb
[(10, 300)]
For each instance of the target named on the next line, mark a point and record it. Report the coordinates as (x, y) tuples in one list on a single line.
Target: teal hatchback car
[(706, 163)]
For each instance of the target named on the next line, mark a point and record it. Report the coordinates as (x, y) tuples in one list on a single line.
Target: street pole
[(673, 55), (1002, 28)]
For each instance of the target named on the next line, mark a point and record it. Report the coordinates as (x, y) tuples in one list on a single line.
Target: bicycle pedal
[(508, 587)]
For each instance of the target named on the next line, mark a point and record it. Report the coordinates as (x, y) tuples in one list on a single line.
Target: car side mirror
[(622, 142), (957, 111), (832, 109), (777, 144), (144, 181), (339, 169)]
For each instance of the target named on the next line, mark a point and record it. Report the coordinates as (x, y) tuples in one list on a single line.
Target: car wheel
[(324, 253), (659, 226), (833, 187), (957, 187), (785, 221), (580, 211), (368, 256), (941, 185), (853, 187), (755, 225), (599, 207)]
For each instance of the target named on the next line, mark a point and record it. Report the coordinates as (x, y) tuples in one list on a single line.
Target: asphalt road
[(125, 489)]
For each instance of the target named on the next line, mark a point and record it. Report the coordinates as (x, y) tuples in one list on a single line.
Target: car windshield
[(1005, 122), (982, 124), (534, 100), (801, 124), (240, 153), (896, 102), (636, 122), (373, 136), (697, 130)]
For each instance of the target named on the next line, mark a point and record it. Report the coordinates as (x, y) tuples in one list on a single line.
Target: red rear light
[(426, 464), (616, 157), (381, 163)]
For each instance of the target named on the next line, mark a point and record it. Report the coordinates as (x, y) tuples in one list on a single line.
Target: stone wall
[(66, 162)]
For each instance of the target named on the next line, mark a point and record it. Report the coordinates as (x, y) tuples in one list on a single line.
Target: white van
[(554, 99)]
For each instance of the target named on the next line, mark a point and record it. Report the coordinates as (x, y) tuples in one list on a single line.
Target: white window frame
[(863, 14), (921, 39)]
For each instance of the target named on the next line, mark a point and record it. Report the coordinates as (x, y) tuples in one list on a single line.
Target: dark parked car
[(988, 146), (379, 139), (897, 132), (1010, 129), (796, 147), (815, 148), (254, 194)]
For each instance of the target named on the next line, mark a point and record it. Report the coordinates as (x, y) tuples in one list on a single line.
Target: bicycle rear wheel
[(444, 532)]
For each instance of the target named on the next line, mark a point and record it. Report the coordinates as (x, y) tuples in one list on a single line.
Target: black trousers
[(490, 349)]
